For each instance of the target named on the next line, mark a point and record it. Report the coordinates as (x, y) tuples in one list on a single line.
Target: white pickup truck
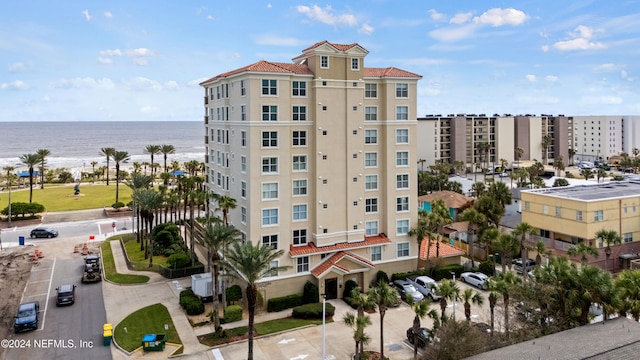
[(425, 285)]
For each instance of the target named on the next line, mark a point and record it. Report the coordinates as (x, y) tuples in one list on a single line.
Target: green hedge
[(439, 273), (349, 285), (313, 311), (284, 302), (310, 294), (191, 303), (232, 313)]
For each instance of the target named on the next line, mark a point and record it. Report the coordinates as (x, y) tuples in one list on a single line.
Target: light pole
[(324, 303), (454, 296)]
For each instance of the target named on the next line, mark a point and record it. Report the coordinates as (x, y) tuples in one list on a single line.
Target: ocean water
[(75, 145)]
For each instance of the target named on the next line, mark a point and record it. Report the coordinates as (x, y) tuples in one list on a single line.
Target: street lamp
[(324, 303), (454, 296)]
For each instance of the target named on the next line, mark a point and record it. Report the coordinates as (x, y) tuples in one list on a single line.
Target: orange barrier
[(40, 254), (91, 237), (85, 249), (34, 258), (75, 249)]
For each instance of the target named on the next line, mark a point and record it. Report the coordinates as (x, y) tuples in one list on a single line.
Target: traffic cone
[(40, 254), (75, 249), (34, 258), (85, 249)]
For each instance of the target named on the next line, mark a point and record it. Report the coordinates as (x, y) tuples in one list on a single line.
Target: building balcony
[(206, 119), (206, 139)]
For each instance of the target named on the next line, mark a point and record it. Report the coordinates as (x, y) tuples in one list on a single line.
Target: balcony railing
[(206, 119), (206, 100)]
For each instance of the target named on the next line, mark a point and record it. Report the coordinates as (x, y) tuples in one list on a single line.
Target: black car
[(27, 317), (44, 232), (424, 335), (66, 295)]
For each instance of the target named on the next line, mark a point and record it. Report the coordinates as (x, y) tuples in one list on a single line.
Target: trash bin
[(107, 334), (153, 342)]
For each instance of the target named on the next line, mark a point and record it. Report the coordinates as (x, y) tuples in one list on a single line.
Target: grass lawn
[(148, 320), (137, 256), (110, 268), (58, 197)]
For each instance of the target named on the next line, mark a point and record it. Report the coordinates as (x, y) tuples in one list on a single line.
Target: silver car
[(476, 279), (405, 289)]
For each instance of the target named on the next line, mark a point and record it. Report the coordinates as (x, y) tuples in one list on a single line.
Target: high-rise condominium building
[(320, 157)]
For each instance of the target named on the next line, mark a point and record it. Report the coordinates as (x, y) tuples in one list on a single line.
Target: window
[(598, 215), (545, 209), (371, 182), (402, 227), (300, 212), (402, 158), (243, 163), (402, 203), (558, 211), (269, 217), (402, 90), (402, 181), (269, 165), (270, 240), (269, 87), (527, 207), (243, 112), (324, 62), (402, 113), (299, 113), (355, 64), (300, 187), (269, 139), (627, 237), (376, 253), (299, 88), (370, 113), (371, 205), (269, 113), (243, 138), (302, 264), (371, 228), (402, 136), (403, 249), (370, 90), (273, 265), (300, 237), (269, 191), (299, 163), (243, 189), (243, 214), (370, 159), (371, 136), (243, 88), (299, 138)]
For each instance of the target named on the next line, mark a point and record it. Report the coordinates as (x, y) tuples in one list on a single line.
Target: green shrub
[(179, 261), (310, 293), (486, 267), (234, 293), (284, 302), (23, 208), (118, 205), (382, 276), (348, 300), (191, 303), (232, 313), (186, 293), (349, 285), (399, 276), (313, 311), (444, 272)]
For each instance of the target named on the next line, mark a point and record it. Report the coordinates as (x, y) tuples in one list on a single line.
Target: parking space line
[(46, 304)]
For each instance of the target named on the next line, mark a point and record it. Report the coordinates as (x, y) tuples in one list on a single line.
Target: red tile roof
[(311, 248), (389, 72), (452, 199), (332, 262), (266, 66), (340, 47), (446, 250)]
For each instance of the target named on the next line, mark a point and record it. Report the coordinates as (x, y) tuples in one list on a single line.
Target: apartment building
[(320, 157), (569, 215)]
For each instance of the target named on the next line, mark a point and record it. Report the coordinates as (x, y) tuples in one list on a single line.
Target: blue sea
[(76, 144)]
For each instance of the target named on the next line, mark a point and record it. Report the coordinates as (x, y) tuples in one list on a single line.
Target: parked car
[(44, 232), (405, 288), (66, 295), (476, 279), (425, 285), (27, 317), (529, 265), (424, 336)]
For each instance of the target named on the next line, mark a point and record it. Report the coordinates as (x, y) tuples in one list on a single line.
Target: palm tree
[(358, 323), (483, 150), (476, 221), (506, 245), (523, 230), (249, 264), (9, 170), (216, 238), (43, 153), (93, 170), (493, 300), (519, 151), (421, 162), (572, 153), (547, 140), (137, 182), (581, 249), (438, 218), (108, 153), (30, 160), (422, 310), (628, 285), (609, 237), (503, 284), (448, 290), (600, 174), (119, 157), (147, 201), (421, 231), (541, 249), (558, 164), (383, 295), (225, 203), (152, 150), (165, 150), (470, 297)]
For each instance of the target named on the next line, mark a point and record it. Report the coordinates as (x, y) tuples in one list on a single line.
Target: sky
[(143, 60)]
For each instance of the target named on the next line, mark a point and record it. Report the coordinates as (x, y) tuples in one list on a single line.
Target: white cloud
[(327, 16), (606, 68), (103, 60), (461, 18), (269, 6), (435, 15), (115, 52), (86, 15), (272, 40), (108, 14), (83, 83), (14, 85), (545, 48), (139, 56), (602, 100), (499, 17), (581, 41), (148, 109), (531, 78), (551, 78), (366, 29), (171, 85), (142, 84), (209, 17), (453, 33), (16, 67), (538, 99)]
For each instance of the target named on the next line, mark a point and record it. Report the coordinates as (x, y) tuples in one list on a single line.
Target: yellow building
[(573, 214), (320, 157)]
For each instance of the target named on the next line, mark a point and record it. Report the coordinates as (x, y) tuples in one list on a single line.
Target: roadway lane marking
[(217, 354), (46, 305)]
